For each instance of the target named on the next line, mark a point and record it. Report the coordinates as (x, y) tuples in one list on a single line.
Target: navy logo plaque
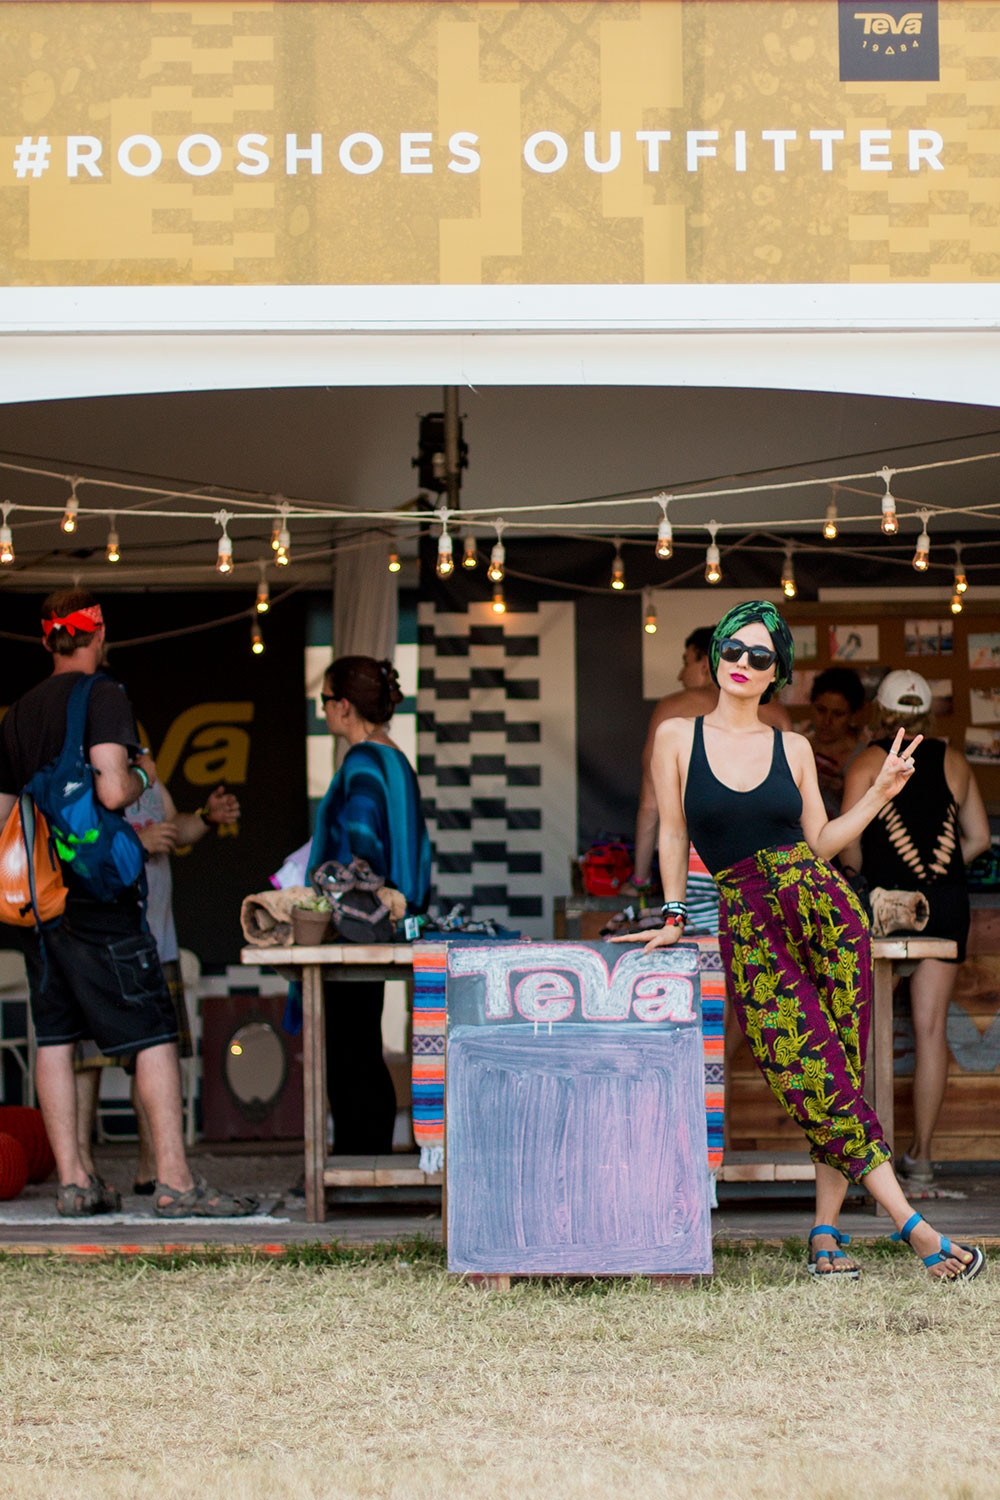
[(888, 42)]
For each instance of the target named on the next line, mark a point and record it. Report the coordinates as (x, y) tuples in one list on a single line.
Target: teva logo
[(881, 23), (897, 42)]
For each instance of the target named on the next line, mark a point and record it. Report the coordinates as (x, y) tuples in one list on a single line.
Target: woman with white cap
[(921, 842)]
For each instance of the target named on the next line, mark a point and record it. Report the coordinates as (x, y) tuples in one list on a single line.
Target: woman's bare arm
[(826, 837), (973, 823)]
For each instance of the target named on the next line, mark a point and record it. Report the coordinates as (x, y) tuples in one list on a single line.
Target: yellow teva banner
[(709, 141)]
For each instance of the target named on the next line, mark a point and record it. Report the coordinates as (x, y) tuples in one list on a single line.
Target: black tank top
[(914, 841), (727, 826)]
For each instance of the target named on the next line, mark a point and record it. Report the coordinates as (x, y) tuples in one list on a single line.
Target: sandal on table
[(76, 1202), (851, 1273), (201, 1202), (974, 1266)]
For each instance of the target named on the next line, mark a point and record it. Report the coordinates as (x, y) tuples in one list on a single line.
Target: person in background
[(99, 973), (794, 939), (372, 812), (837, 697), (161, 830), (698, 695), (921, 841)]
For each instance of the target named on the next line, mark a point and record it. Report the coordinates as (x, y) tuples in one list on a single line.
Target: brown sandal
[(76, 1202), (201, 1202)]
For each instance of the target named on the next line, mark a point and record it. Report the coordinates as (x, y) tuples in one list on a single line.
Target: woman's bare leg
[(932, 985), (831, 1189)]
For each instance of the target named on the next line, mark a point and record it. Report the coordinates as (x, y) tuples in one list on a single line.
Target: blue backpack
[(100, 851)]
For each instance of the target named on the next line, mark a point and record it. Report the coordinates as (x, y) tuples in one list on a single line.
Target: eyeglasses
[(328, 698), (758, 657)]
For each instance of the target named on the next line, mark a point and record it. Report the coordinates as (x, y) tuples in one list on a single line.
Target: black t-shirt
[(33, 730)]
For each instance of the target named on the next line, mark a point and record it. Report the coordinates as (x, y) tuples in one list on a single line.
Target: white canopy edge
[(955, 366)]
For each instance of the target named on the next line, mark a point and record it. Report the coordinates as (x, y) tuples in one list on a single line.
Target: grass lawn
[(348, 1374)]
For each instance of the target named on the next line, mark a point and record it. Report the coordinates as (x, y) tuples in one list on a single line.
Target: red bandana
[(84, 620)]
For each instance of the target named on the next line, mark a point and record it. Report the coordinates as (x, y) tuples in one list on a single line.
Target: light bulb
[(445, 558), (649, 623), (830, 530), (498, 556), (256, 639), (112, 549), (922, 556), (956, 603), (788, 584), (6, 544), (224, 556), (283, 551), (276, 534), (394, 562), (263, 600), (68, 522), (617, 568), (890, 525), (470, 553), (499, 606), (961, 582), (664, 540)]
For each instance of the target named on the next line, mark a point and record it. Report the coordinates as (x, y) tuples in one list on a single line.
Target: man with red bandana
[(98, 975)]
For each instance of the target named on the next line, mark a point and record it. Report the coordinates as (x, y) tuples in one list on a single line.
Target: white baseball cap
[(905, 692)]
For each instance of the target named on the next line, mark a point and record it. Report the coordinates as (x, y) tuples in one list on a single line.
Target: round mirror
[(255, 1066)]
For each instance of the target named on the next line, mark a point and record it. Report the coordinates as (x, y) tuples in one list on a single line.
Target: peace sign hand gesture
[(897, 770)]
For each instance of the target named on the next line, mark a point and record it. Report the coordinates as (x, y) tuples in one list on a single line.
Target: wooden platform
[(779, 1166), (378, 1171)]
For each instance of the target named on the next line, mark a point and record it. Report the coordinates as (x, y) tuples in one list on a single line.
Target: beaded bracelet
[(674, 913)]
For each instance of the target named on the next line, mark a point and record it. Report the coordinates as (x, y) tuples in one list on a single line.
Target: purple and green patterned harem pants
[(795, 946)]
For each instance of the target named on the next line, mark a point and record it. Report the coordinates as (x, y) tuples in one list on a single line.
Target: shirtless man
[(698, 695)]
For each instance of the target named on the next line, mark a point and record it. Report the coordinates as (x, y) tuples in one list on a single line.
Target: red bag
[(606, 868)]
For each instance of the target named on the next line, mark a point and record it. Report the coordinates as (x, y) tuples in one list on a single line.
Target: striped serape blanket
[(429, 1027), (702, 896)]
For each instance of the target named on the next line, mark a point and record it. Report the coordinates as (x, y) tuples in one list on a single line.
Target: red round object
[(27, 1126), (13, 1167)]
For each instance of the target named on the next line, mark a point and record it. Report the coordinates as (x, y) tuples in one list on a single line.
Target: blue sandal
[(974, 1266), (850, 1272)]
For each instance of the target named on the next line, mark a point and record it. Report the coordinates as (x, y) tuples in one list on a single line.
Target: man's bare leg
[(55, 1086), (158, 1085), (88, 1088), (145, 1169)]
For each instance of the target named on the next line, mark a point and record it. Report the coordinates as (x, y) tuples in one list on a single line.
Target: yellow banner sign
[(710, 141)]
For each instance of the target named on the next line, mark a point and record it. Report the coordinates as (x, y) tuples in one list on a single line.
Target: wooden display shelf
[(378, 1171), (779, 1166)]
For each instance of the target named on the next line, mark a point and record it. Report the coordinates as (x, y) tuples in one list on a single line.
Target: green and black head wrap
[(763, 612)]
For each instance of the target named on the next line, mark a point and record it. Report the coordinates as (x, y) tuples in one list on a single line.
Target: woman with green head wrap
[(793, 938)]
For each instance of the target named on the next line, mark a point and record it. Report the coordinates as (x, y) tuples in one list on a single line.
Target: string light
[(283, 545), (263, 601), (788, 585), (830, 527), (70, 514), (664, 532), (112, 547), (922, 556), (498, 555), (618, 566), (956, 603), (713, 562), (224, 556), (890, 522), (649, 623), (394, 562), (6, 536), (279, 522), (470, 552), (499, 605), (445, 557), (961, 582), (256, 638)]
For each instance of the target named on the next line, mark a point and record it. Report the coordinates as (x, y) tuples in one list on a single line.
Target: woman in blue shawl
[(371, 811)]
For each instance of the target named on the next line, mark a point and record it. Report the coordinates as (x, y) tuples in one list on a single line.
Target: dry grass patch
[(378, 1375)]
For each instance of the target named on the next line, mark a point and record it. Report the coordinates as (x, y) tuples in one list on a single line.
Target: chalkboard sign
[(576, 1110)]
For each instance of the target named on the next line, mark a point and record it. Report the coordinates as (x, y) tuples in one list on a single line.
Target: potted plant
[(311, 921)]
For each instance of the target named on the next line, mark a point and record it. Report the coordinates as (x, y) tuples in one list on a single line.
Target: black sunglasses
[(758, 657)]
